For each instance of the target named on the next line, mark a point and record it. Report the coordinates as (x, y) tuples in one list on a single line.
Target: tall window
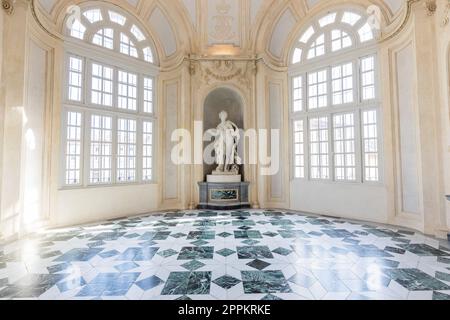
[(334, 100), (109, 115)]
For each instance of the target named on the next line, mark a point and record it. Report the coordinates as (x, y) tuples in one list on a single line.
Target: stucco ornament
[(8, 6), (223, 30), (227, 139)]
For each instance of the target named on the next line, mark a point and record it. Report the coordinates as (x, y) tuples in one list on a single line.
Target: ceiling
[(181, 27)]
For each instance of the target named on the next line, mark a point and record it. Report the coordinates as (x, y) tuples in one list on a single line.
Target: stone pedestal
[(235, 178), (223, 195)]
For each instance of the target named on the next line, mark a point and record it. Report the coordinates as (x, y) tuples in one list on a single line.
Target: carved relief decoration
[(223, 22), (211, 71)]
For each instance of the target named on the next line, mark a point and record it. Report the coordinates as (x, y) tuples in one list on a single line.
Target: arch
[(111, 28), (331, 32)]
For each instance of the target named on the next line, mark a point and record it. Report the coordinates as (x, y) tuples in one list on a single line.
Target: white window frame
[(86, 108), (353, 54)]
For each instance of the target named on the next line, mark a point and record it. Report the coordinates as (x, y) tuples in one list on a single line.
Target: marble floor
[(238, 255)]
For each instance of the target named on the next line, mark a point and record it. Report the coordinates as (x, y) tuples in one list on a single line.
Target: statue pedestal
[(231, 178), (224, 195)]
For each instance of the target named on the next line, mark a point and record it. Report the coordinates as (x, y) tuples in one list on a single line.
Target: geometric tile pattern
[(235, 255)]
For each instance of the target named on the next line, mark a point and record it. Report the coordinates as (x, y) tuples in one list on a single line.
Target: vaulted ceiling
[(181, 27)]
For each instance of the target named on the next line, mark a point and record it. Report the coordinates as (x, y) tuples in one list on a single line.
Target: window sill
[(348, 183), (100, 186)]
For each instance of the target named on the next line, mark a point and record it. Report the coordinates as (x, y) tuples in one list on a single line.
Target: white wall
[(33, 150), (79, 206), (346, 200)]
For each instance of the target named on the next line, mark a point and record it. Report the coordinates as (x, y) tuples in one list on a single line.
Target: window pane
[(73, 148), (100, 150), (75, 79), (319, 150), (147, 145), (148, 95), (344, 147), (126, 150), (317, 48), (102, 85), (297, 93), (368, 78), (317, 90), (299, 149), (370, 145), (127, 91), (342, 84)]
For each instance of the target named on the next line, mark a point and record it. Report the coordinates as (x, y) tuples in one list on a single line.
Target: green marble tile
[(187, 283), (225, 252), (227, 282), (201, 235), (254, 252), (264, 282), (192, 253), (415, 280)]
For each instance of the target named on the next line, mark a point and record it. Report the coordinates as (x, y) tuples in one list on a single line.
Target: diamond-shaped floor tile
[(258, 264), (270, 234), (250, 242), (225, 252), (227, 282), (271, 297), (282, 251), (224, 234), (149, 283), (199, 243), (178, 235), (126, 266), (167, 253), (193, 265)]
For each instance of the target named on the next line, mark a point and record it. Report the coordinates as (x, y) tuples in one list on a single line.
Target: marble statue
[(226, 142)]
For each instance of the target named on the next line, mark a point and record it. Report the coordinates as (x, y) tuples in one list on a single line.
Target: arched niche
[(222, 99)]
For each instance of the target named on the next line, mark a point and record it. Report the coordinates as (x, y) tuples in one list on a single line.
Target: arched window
[(335, 100), (112, 30), (108, 104)]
